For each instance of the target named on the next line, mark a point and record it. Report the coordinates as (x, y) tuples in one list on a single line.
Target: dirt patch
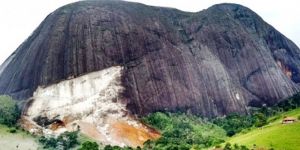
[(56, 125), (31, 126), (90, 130), (133, 135)]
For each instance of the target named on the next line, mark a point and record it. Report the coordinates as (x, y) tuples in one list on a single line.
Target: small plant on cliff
[(9, 111)]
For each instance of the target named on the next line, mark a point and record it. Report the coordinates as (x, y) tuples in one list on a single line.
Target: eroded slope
[(91, 103)]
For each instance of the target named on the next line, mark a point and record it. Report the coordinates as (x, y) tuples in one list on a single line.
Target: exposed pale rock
[(91, 103)]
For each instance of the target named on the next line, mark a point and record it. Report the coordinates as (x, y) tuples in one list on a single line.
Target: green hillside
[(274, 135)]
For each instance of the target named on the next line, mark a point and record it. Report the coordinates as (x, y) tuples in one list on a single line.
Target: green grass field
[(16, 141), (274, 135)]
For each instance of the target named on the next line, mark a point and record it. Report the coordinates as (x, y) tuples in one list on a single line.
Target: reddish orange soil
[(131, 135)]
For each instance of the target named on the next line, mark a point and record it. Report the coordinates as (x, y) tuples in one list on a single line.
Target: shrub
[(65, 141), (68, 139), (89, 146), (109, 147), (260, 119), (12, 130), (9, 112), (228, 146)]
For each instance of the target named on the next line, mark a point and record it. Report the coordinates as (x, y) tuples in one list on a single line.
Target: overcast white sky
[(20, 17)]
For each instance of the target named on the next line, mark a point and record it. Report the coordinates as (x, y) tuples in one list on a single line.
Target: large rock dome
[(213, 62)]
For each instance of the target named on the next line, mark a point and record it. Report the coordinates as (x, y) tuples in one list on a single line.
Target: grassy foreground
[(19, 140), (274, 135)]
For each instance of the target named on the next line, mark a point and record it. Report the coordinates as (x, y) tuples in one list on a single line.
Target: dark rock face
[(212, 62)]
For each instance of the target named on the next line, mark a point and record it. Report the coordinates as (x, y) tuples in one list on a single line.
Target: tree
[(65, 141), (234, 123), (9, 111), (243, 147), (68, 139), (89, 146), (260, 119)]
